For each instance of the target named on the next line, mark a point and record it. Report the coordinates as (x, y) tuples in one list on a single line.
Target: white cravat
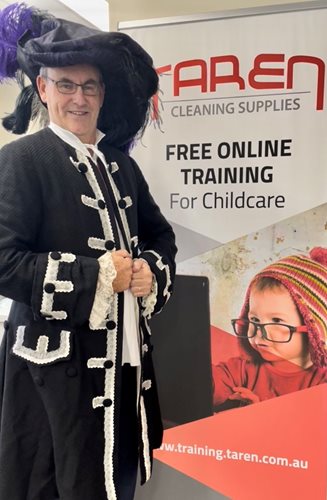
[(131, 350)]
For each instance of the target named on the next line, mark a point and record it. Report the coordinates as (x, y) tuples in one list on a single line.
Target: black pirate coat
[(59, 379)]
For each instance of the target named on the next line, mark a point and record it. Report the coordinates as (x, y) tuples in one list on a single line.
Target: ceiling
[(93, 13)]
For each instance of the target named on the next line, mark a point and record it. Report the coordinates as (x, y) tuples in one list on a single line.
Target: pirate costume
[(78, 406)]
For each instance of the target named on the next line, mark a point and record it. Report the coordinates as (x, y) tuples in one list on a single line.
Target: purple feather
[(15, 20)]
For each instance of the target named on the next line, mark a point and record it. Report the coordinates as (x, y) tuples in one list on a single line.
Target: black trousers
[(128, 438)]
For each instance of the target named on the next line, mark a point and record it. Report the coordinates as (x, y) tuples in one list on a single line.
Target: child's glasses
[(274, 332)]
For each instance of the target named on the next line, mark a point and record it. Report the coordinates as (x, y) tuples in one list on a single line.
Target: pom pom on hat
[(319, 254)]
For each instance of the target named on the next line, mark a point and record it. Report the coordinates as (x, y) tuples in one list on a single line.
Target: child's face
[(275, 305)]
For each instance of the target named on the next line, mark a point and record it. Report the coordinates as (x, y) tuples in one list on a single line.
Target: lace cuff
[(104, 292), (150, 300)]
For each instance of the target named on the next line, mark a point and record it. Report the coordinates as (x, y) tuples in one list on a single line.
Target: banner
[(238, 165)]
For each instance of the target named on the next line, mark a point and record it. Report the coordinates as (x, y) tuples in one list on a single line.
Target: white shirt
[(131, 349)]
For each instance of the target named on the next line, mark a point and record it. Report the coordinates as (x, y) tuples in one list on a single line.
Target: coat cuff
[(161, 286)]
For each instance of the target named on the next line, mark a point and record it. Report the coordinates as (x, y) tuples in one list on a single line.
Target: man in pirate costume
[(87, 258)]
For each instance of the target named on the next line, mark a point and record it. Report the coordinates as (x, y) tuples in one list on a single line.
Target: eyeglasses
[(91, 88), (274, 332)]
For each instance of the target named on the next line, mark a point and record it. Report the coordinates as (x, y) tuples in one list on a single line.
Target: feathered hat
[(31, 39), (305, 278)]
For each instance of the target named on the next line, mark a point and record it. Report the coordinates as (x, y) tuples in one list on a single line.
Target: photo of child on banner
[(282, 332)]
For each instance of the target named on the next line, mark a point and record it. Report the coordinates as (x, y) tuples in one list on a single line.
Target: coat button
[(49, 287), (55, 255), (39, 381), (109, 245), (71, 371), (122, 203), (82, 168), (108, 363), (111, 325), (107, 402), (6, 324), (101, 204)]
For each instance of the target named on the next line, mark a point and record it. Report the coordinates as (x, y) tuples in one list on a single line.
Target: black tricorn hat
[(127, 69)]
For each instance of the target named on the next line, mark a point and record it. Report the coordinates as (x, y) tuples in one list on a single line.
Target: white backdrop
[(238, 166), (218, 96)]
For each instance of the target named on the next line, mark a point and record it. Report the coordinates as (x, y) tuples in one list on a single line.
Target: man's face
[(76, 112)]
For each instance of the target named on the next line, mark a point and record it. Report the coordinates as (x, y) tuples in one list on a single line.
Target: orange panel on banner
[(272, 450)]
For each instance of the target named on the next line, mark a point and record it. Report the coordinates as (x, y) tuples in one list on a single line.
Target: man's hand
[(123, 264), (141, 282)]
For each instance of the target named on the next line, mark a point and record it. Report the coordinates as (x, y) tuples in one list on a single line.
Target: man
[(87, 258)]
